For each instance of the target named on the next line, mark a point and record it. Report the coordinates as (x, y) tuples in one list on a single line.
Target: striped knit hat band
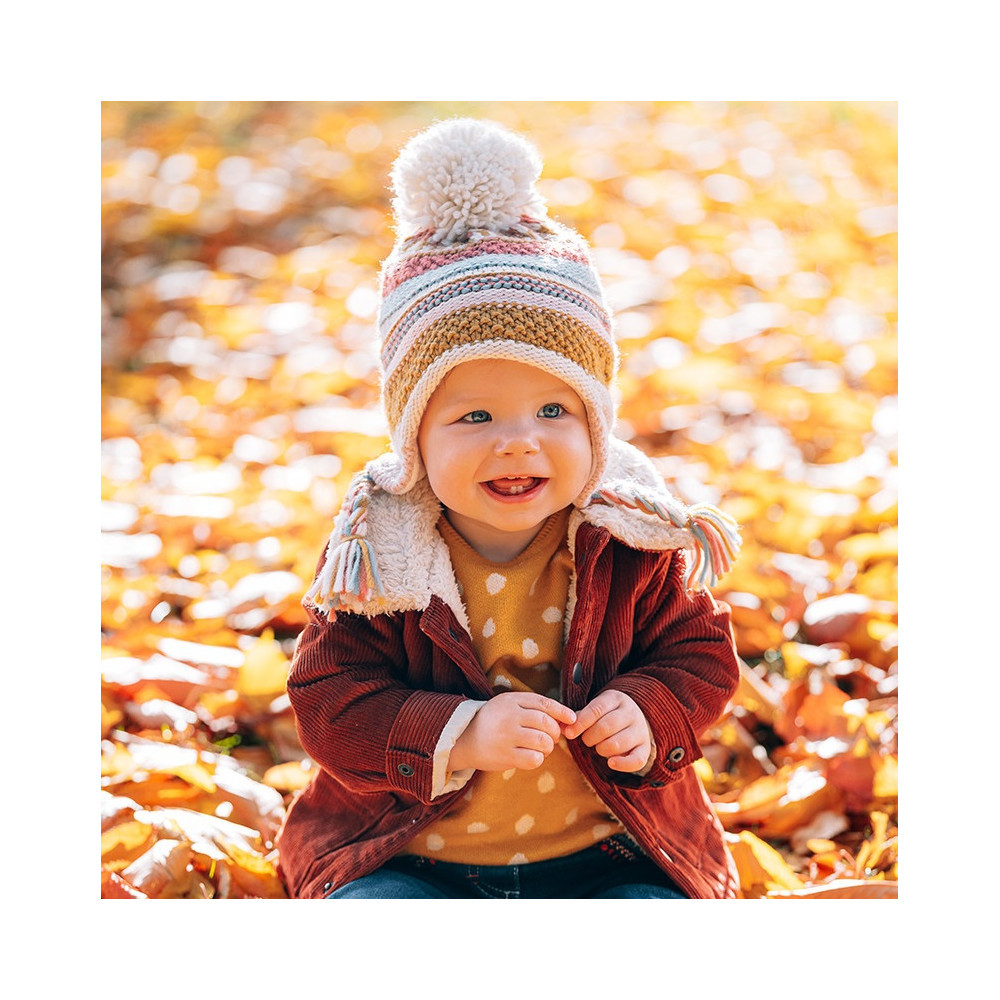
[(478, 272)]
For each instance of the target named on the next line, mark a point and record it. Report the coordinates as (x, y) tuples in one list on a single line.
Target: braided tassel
[(715, 535), (349, 577)]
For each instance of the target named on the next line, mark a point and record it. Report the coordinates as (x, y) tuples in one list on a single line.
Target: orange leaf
[(113, 886), (291, 776), (761, 868), (842, 889), (781, 802)]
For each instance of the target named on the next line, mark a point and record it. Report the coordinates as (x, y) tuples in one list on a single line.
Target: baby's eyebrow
[(469, 403)]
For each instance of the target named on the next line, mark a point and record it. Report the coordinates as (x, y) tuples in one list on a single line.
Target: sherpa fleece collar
[(413, 560)]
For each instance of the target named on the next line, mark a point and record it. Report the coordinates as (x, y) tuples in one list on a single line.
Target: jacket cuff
[(445, 780), (413, 741), (675, 744)]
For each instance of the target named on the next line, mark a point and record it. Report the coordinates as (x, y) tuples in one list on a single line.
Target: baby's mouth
[(513, 486)]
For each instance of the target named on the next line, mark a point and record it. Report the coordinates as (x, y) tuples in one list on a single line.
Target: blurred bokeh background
[(749, 252)]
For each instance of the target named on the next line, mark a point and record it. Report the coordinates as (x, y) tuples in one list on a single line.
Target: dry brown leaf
[(842, 889)]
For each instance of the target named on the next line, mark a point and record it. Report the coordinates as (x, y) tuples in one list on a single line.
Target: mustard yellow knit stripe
[(542, 328)]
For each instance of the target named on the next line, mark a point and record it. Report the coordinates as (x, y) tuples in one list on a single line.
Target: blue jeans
[(613, 869)]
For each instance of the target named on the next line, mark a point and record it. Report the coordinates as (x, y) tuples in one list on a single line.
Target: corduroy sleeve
[(681, 670), (356, 716)]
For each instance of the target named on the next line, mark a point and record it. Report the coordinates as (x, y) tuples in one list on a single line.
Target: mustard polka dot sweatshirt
[(516, 614)]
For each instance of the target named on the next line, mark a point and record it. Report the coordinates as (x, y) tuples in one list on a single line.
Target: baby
[(511, 652)]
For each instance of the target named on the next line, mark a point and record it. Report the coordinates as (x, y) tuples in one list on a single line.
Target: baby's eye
[(477, 417), (551, 410)]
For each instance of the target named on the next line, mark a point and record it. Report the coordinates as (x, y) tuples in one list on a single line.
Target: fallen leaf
[(761, 868), (842, 889)]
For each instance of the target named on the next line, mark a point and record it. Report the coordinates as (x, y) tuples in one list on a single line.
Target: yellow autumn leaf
[(265, 669), (885, 784), (761, 868), (195, 774), (123, 843)]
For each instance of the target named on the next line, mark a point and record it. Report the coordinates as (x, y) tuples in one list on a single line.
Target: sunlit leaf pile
[(749, 251)]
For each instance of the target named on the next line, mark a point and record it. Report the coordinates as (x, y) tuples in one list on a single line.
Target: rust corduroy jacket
[(373, 693)]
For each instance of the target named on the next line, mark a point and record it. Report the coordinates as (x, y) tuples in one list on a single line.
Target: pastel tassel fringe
[(715, 536), (349, 577)]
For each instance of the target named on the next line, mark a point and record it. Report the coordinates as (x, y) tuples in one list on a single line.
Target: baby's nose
[(516, 439)]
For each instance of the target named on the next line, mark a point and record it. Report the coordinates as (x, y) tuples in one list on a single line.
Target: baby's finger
[(590, 714), (621, 743), (543, 723), (536, 739), (607, 726), (527, 760), (562, 714), (634, 760)]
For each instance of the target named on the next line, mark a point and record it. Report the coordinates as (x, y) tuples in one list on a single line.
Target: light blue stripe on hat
[(568, 271)]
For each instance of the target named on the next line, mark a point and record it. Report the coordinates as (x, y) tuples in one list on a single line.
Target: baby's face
[(505, 445)]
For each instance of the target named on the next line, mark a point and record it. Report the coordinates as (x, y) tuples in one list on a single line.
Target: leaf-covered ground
[(749, 251)]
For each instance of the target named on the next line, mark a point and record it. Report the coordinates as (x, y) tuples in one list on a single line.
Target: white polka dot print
[(572, 815), (552, 615), (529, 649), (495, 582), (434, 842), (517, 859), (477, 828), (524, 824), (502, 682), (601, 831), (509, 773), (546, 782), (489, 628)]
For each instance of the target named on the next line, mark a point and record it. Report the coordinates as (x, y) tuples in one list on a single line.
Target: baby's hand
[(613, 724), (513, 729)]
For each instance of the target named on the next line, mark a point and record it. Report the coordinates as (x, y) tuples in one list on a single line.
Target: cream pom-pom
[(465, 174)]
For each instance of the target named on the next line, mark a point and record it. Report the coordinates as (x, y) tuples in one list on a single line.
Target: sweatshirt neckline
[(552, 532)]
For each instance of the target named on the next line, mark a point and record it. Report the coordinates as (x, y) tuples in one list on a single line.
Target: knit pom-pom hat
[(480, 271)]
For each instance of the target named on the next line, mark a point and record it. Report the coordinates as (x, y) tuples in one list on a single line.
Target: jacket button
[(676, 755), (577, 673), (404, 769), (327, 886)]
